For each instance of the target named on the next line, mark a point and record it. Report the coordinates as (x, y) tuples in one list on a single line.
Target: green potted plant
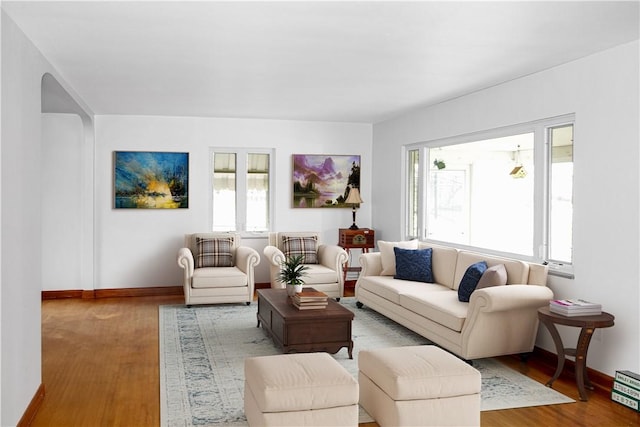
[(439, 164), (292, 270)]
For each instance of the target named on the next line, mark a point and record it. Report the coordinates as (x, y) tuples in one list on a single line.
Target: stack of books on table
[(574, 307), (310, 300), (626, 389)]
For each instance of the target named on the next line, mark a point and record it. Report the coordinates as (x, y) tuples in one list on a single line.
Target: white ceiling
[(362, 61)]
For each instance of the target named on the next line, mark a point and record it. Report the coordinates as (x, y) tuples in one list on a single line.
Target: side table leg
[(581, 362), (559, 349), (345, 267)]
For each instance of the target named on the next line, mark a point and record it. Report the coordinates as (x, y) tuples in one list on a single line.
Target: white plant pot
[(291, 290), (297, 288)]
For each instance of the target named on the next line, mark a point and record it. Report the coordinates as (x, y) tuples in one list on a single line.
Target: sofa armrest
[(371, 264), (503, 320), (510, 297), (246, 259), (332, 256)]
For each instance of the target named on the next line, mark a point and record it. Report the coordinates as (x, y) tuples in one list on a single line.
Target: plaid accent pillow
[(306, 246), (214, 252)]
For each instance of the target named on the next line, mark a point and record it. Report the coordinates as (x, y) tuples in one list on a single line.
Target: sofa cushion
[(218, 277), (318, 274), (517, 271), (390, 289), (493, 276), (214, 252), (440, 307), (413, 264), (388, 257), (470, 280), (305, 246), (443, 263)]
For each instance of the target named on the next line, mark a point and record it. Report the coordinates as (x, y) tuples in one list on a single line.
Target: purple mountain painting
[(322, 181)]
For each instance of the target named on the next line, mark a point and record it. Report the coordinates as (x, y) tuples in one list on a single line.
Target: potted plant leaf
[(292, 270)]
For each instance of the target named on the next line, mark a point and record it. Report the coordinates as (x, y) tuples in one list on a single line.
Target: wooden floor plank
[(101, 368)]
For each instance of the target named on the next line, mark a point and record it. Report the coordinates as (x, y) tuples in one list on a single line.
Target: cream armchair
[(325, 262), (217, 269)]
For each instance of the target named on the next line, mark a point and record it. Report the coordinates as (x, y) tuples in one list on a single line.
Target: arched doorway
[(67, 191)]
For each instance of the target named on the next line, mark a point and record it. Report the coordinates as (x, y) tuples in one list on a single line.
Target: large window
[(561, 193), (508, 191), (241, 190)]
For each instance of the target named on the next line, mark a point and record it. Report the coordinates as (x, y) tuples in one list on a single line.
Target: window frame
[(241, 187), (541, 195)]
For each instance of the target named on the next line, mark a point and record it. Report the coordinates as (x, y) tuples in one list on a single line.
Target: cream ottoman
[(422, 385), (305, 389)]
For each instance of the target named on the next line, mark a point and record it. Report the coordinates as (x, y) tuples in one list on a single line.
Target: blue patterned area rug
[(202, 351)]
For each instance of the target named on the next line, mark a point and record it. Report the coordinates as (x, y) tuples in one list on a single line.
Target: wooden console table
[(588, 325), (362, 238)]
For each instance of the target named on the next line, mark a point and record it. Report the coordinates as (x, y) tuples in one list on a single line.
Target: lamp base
[(354, 226)]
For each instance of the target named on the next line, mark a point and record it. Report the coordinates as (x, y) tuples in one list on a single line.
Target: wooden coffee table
[(327, 329)]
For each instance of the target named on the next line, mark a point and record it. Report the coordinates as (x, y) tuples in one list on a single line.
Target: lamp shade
[(354, 197)]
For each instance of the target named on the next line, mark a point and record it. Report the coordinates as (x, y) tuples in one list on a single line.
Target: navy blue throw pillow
[(413, 264), (470, 280)]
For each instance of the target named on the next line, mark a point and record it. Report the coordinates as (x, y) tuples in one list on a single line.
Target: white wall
[(138, 247), (21, 263), (602, 90), (61, 176), (21, 348)]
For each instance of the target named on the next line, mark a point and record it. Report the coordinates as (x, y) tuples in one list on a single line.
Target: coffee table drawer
[(317, 332)]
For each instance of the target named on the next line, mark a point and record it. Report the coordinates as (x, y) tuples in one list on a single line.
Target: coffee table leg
[(351, 350), (557, 340)]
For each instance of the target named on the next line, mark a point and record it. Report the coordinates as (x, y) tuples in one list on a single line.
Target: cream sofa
[(496, 321)]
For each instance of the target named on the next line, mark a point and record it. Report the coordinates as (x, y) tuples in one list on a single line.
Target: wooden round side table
[(588, 325)]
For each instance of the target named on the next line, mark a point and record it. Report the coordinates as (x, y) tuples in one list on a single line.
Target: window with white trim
[(508, 191), (241, 190)]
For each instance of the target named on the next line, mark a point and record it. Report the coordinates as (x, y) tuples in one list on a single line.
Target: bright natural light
[(476, 200), (241, 191), (486, 193)]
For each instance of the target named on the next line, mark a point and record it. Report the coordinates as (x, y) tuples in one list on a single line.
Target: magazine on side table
[(574, 307)]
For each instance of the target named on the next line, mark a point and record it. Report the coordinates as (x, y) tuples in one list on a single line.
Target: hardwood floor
[(100, 368)]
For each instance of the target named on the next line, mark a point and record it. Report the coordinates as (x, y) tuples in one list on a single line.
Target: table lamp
[(353, 199)]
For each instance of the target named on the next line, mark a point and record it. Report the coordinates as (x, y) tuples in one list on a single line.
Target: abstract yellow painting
[(151, 180)]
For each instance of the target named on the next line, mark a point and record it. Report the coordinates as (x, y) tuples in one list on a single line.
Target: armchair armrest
[(371, 264), (275, 258), (246, 259), (274, 255), (332, 256), (185, 260)]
